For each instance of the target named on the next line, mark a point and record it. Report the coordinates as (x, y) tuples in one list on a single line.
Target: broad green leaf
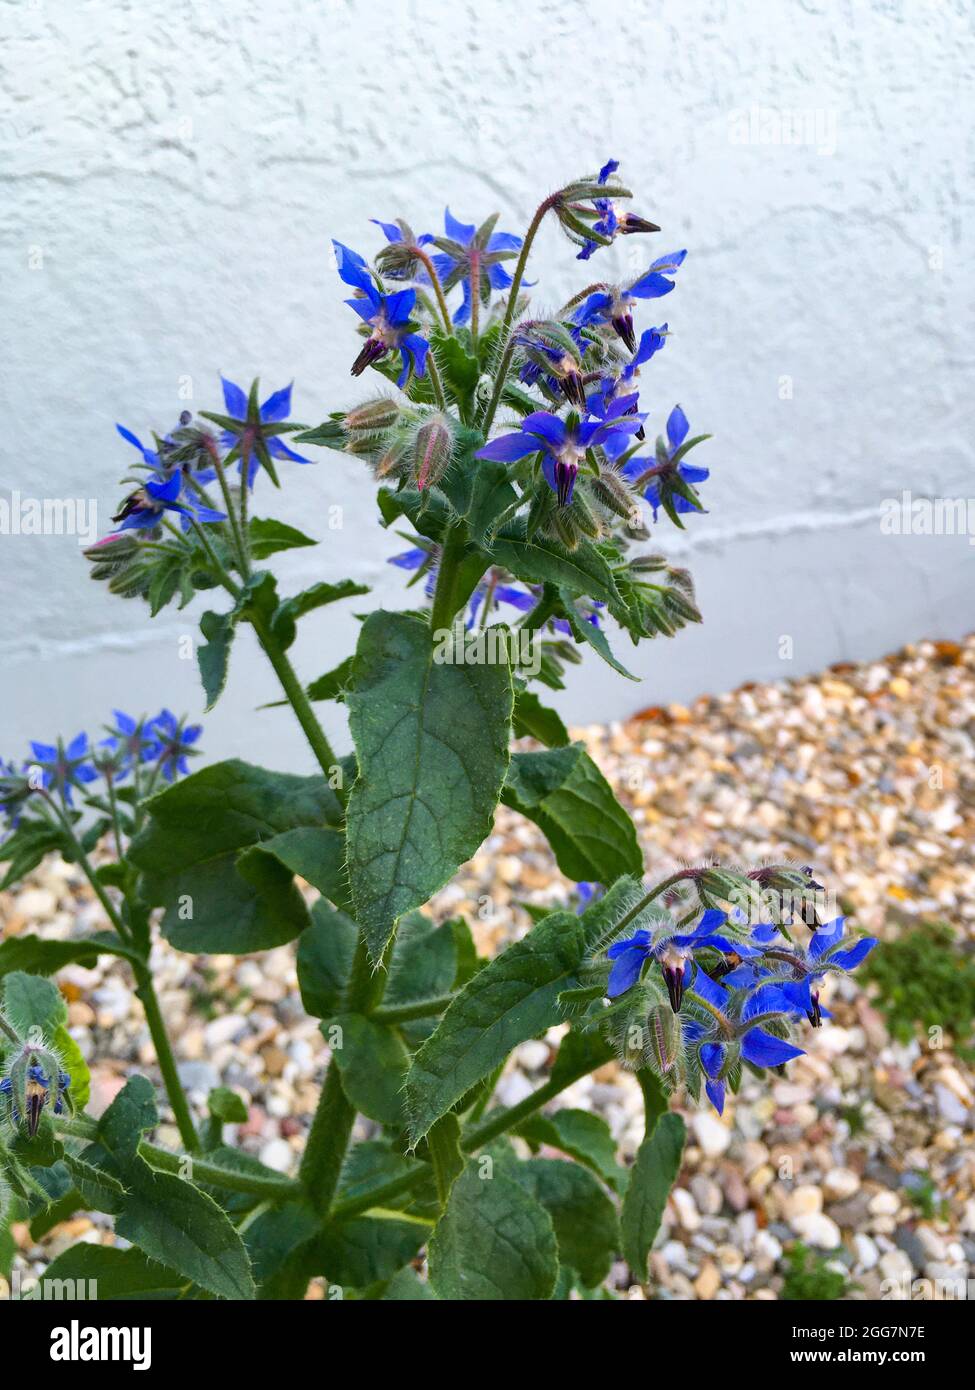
[(326, 950), (579, 1053), (651, 1178), (424, 963), (371, 1164), (31, 1002), (534, 720), (372, 1059), (189, 856), (101, 1190), (284, 621), (315, 853), (73, 1062), (182, 1228), (118, 1274), (583, 1136), (37, 956), (565, 794), (494, 1242), (268, 536), (586, 1226), (366, 1250), (276, 1243), (512, 999), (432, 745)]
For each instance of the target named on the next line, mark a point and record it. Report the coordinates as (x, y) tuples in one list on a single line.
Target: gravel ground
[(866, 772)]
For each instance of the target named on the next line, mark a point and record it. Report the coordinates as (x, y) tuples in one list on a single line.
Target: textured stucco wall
[(172, 173)]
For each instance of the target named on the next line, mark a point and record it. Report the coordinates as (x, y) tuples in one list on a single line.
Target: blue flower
[(659, 476), (64, 767), (588, 893), (399, 260), (146, 506), (802, 970), (563, 443), (733, 1035), (611, 223), (149, 456), (172, 743), (554, 359), (674, 952), (471, 257), (133, 741), (37, 1089), (253, 432), (387, 315), (612, 304)]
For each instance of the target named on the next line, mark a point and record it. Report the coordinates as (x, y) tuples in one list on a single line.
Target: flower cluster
[(146, 749), (734, 995)]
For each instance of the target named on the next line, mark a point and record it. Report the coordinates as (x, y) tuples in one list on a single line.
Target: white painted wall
[(172, 173)]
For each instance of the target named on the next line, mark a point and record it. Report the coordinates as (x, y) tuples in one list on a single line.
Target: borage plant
[(513, 449)]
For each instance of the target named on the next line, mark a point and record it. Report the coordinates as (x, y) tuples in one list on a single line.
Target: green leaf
[(460, 372), (268, 536), (315, 853), (37, 956), (118, 1274), (26, 847), (181, 1227), (32, 1002), (131, 1113), (214, 656), (277, 1243), (494, 1242), (651, 1178), (569, 799), (534, 720), (372, 1060), (189, 856), (407, 1287), (333, 683), (515, 997), (283, 623), (101, 1190), (326, 950), (585, 1221), (432, 745), (584, 631), (226, 1106), (73, 1062), (542, 561), (424, 964), (583, 1136), (366, 1250)]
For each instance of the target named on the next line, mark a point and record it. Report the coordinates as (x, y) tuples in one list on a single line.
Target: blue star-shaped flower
[(387, 315), (64, 767), (173, 742), (658, 475), (612, 223), (612, 304), (147, 505), (471, 257), (562, 443)]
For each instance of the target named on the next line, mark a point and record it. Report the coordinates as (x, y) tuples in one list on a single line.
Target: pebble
[(840, 1183), (713, 1136), (815, 1228), (277, 1154)]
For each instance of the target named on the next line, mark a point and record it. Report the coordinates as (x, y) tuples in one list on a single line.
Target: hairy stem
[(427, 263), (146, 991), (444, 598), (509, 313), (435, 381), (420, 1008)]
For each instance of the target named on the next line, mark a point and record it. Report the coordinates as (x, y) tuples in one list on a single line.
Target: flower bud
[(111, 549), (664, 1040), (371, 416), (431, 451)]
